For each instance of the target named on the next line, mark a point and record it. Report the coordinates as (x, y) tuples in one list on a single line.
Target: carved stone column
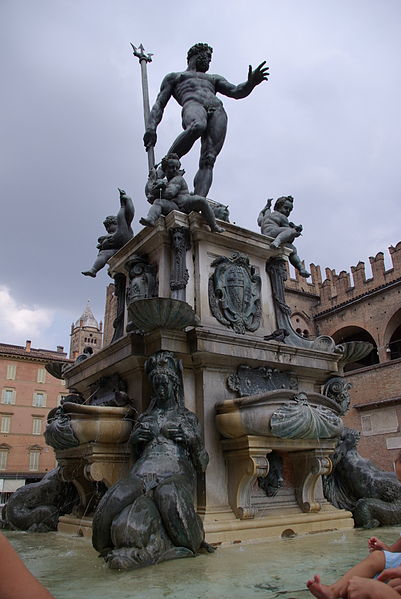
[(179, 273), (308, 469)]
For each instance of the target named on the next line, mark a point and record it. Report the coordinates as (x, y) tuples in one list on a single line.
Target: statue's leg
[(101, 260), (199, 204), (212, 142), (138, 535), (174, 499), (283, 235), (194, 123), (159, 206), (297, 263), (123, 493)]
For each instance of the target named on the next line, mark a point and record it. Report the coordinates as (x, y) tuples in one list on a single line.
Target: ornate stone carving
[(285, 332), (336, 388), (273, 481), (142, 279), (179, 273), (247, 461), (234, 293), (300, 420), (251, 381), (309, 466), (142, 284)]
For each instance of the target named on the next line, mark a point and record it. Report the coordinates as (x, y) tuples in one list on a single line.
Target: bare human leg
[(194, 123), (367, 568), (212, 142)]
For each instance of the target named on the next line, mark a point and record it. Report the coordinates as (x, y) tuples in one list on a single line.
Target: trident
[(143, 59)]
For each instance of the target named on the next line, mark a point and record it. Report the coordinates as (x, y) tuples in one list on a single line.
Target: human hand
[(366, 588), (258, 75), (175, 433), (144, 433), (150, 138), (392, 576), (375, 543)]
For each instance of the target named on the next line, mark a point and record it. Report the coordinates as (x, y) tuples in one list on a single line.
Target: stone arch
[(357, 333), (392, 336)]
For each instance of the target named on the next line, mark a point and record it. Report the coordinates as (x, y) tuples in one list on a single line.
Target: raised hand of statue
[(150, 138), (258, 75)]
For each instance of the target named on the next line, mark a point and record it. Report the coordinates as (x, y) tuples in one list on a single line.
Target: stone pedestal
[(212, 348)]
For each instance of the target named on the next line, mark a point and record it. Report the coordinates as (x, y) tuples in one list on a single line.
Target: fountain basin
[(103, 424), (160, 312), (278, 413)]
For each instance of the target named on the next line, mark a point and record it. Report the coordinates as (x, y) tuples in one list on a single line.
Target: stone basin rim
[(70, 407), (274, 397)]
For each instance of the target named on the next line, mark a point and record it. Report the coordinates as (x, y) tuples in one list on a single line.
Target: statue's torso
[(197, 87), (162, 456)]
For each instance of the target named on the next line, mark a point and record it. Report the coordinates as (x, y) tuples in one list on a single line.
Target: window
[(5, 423), (34, 460), (11, 372), (37, 426), (379, 421), (8, 396), (41, 375), (39, 399), (3, 458)]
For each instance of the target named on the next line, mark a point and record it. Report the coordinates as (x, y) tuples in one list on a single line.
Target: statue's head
[(171, 165), (285, 204), (110, 223), (165, 375), (203, 56)]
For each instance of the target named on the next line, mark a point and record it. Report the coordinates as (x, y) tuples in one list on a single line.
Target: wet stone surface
[(69, 567)]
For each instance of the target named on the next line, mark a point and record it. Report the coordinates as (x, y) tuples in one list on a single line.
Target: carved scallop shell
[(300, 420)]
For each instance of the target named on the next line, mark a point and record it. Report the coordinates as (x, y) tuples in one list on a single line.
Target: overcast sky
[(326, 129)]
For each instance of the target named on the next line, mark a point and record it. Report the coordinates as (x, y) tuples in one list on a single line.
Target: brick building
[(350, 306), (27, 393)]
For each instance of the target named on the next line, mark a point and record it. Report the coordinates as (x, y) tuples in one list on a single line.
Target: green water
[(69, 567)]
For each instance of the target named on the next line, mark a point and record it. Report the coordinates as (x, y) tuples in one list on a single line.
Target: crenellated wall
[(338, 289), (350, 304)]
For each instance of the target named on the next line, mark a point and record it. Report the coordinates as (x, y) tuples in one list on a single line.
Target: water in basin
[(69, 567)]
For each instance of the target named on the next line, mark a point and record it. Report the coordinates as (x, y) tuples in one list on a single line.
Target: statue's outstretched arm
[(156, 114), (242, 89), (127, 207)]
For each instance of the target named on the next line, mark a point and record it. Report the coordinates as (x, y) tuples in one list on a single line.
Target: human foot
[(217, 229), (321, 591), (145, 222), (89, 273)]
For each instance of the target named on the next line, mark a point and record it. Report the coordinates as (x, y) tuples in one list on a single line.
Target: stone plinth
[(226, 333)]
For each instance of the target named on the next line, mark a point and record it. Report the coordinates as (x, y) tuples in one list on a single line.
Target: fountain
[(208, 420)]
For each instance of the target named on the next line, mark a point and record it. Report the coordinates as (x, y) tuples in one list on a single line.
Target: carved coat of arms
[(234, 293)]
